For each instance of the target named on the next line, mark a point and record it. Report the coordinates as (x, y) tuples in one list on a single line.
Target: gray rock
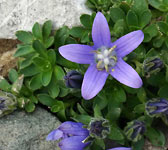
[(22, 14), (23, 131)]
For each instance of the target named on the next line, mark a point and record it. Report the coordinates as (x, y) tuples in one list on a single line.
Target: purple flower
[(104, 58), (121, 148), (157, 107), (71, 134)]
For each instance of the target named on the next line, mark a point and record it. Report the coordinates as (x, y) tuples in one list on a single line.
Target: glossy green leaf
[(59, 73), (13, 75), (25, 37), (77, 32), (117, 14), (45, 99), (37, 32), (35, 82), (4, 85), (24, 50), (131, 18), (30, 107), (85, 19), (58, 106), (46, 29), (46, 77), (163, 27)]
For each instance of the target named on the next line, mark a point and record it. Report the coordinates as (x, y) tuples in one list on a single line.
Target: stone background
[(22, 14)]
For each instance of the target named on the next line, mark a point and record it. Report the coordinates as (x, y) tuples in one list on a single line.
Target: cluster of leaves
[(43, 69)]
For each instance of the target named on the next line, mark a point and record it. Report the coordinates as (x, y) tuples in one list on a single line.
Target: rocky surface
[(22, 14), (22, 131)]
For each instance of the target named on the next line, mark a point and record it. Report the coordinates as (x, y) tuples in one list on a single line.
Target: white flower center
[(105, 58)]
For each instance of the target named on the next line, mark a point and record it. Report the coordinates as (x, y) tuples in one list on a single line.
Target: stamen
[(111, 49), (112, 70), (106, 67), (95, 51), (113, 57), (98, 64)]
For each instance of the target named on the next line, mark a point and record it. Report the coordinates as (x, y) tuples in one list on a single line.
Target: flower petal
[(127, 43), (73, 128), (125, 74), (100, 31), (82, 54), (55, 135), (73, 143), (93, 82), (121, 148)]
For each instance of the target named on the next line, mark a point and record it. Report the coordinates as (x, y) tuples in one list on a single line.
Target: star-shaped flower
[(104, 58)]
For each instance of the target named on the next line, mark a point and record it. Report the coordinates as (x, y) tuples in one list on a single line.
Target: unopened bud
[(73, 79)]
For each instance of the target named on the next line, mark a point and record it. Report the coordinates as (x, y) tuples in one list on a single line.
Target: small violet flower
[(120, 148), (71, 134), (156, 107), (104, 58), (73, 79)]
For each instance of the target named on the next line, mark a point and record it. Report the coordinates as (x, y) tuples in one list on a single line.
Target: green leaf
[(77, 32), (30, 107), (85, 19), (52, 56), (30, 71), (59, 105), (159, 4), (4, 85), (45, 99), (100, 142), (158, 42), (163, 91), (150, 32), (63, 92), (139, 108), (163, 27), (85, 37), (115, 134), (48, 42), (119, 27), (97, 111), (17, 85), (39, 48), (53, 89), (37, 32), (117, 14), (46, 77), (118, 94), (145, 18), (46, 29), (139, 145), (156, 137), (25, 37), (85, 119), (139, 6), (142, 95), (66, 63), (59, 73), (131, 18), (61, 36), (35, 82), (42, 64), (81, 110), (24, 50), (13, 75)]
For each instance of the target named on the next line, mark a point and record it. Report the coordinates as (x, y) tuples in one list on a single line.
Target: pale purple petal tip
[(100, 31), (74, 128), (125, 74), (73, 143), (82, 54), (121, 148), (93, 82), (127, 43), (55, 135)]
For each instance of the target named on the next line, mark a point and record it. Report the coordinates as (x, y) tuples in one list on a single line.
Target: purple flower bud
[(71, 134), (73, 79), (156, 107), (152, 66), (134, 130), (7, 103), (99, 128)]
